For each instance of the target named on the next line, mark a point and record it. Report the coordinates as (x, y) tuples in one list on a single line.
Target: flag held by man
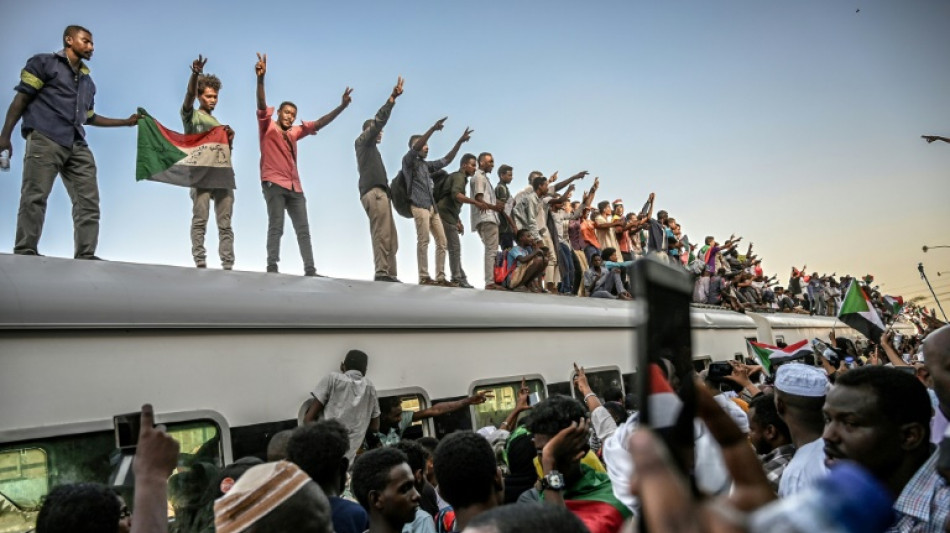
[(202, 160), (857, 312), (768, 356)]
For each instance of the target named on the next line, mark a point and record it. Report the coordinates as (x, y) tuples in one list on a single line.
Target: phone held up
[(663, 355)]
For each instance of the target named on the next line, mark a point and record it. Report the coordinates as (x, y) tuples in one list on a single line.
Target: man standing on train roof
[(350, 397), (205, 88), (374, 190), (56, 98), (394, 420), (280, 178)]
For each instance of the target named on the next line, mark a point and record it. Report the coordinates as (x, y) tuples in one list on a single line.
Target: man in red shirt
[(279, 176)]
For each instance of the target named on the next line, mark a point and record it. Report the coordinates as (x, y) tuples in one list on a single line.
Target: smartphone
[(664, 346), (127, 430)]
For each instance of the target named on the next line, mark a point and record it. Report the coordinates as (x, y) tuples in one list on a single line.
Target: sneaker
[(462, 284), (428, 281), (312, 274), (390, 279), (227, 267), (201, 264), (494, 287), (446, 283), (272, 269), (91, 258)]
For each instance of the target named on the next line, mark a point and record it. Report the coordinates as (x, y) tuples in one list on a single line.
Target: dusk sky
[(795, 124)]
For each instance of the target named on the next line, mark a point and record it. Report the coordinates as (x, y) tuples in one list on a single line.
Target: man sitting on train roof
[(349, 397), (394, 420)]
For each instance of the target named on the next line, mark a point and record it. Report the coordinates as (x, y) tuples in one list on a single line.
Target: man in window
[(394, 420)]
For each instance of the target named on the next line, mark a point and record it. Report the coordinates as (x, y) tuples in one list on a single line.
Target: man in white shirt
[(485, 221)]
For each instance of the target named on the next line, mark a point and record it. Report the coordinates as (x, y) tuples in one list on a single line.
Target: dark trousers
[(43, 160), (278, 201), (565, 258)]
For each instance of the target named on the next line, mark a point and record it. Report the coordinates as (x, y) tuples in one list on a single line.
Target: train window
[(24, 476), (413, 401), (600, 380), (562, 388), (701, 363), (496, 409), (29, 469), (451, 422), (778, 339)]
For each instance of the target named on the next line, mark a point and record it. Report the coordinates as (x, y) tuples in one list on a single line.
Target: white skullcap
[(801, 380)]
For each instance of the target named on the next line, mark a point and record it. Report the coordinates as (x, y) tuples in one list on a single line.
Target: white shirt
[(479, 184), (805, 468), (351, 399)]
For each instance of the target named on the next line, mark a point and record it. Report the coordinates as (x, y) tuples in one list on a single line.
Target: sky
[(794, 124)]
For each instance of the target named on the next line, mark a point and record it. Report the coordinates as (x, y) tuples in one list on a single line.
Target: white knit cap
[(801, 380)]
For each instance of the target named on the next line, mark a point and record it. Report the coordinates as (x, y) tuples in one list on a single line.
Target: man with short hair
[(79, 508), (419, 189), (924, 503), (374, 190), (350, 397), (273, 498), (450, 195), (206, 88), (485, 218), (469, 479), (656, 235), (799, 397), (770, 437), (878, 417), (55, 98), (605, 225), (560, 432), (320, 450), (417, 457), (506, 228), (383, 484), (526, 264), (526, 517), (527, 209), (280, 178)]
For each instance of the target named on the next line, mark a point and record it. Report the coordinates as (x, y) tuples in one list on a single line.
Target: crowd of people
[(762, 441), (539, 238), (857, 443)]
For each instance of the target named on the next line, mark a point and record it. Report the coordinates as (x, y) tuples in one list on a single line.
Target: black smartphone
[(663, 354), (127, 430)]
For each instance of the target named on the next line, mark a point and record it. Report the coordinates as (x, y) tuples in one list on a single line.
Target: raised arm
[(450, 407), (458, 144), (14, 112), (104, 122), (381, 118), (932, 138), (650, 203), (521, 405), (328, 118), (197, 67), (579, 176), (260, 69), (155, 458), (424, 140)]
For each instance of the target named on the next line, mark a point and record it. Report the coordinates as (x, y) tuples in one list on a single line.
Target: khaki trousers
[(489, 234), (382, 231), (200, 211), (428, 220), (552, 274)]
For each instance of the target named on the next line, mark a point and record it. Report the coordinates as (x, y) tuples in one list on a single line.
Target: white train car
[(229, 358)]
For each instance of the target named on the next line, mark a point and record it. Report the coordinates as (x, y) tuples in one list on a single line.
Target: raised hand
[(132, 120), (157, 453), (261, 67), (580, 175), (397, 90), (466, 136), (597, 184), (580, 380), (523, 393), (198, 65), (553, 177), (480, 397), (439, 124), (345, 101)]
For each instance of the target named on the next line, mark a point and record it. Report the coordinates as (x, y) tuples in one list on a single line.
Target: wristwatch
[(554, 480)]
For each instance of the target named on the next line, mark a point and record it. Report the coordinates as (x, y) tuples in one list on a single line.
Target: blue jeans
[(565, 257)]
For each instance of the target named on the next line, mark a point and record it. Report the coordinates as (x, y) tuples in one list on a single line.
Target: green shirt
[(446, 192), (197, 121)]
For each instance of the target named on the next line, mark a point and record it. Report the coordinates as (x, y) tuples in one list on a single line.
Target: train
[(228, 359)]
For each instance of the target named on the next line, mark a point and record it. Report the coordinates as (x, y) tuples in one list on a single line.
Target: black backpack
[(399, 195)]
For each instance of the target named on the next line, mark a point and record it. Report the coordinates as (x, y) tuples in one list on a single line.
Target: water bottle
[(848, 500), (5, 161)]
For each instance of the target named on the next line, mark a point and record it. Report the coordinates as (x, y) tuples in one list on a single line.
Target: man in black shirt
[(374, 190)]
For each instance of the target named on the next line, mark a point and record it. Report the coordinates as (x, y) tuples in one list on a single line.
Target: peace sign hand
[(261, 67), (346, 97), (198, 65), (397, 90)]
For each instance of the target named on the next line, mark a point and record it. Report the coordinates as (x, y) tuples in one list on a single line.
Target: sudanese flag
[(202, 160)]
